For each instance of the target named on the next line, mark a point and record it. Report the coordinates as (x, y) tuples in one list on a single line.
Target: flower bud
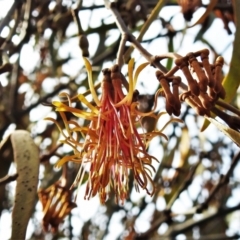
[(83, 44), (183, 65)]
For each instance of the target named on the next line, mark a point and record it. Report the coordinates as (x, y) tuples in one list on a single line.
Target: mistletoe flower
[(110, 148), (56, 203)]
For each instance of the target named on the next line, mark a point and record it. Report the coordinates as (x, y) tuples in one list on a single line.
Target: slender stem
[(77, 20), (189, 224), (17, 16), (224, 179), (146, 25), (8, 179), (13, 91), (8, 17), (124, 30), (183, 186), (232, 121), (79, 4), (228, 107), (46, 157), (121, 49), (26, 21), (150, 58)]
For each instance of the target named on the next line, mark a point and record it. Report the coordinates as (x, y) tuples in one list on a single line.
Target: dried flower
[(57, 204)]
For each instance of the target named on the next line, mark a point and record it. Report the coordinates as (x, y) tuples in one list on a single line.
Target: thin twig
[(7, 179), (79, 4), (124, 30), (184, 186), (17, 16), (228, 107), (121, 49), (155, 225), (46, 157), (13, 93), (224, 179), (77, 21), (146, 25), (232, 121), (26, 21), (8, 17), (215, 237), (189, 224)]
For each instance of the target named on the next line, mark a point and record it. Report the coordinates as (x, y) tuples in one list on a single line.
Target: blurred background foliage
[(197, 180)]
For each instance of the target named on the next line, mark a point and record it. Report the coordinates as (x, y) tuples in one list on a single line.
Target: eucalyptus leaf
[(26, 158), (232, 134)]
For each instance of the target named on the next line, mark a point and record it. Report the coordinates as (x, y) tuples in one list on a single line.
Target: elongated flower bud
[(183, 65), (175, 85), (83, 44), (207, 67), (203, 81)]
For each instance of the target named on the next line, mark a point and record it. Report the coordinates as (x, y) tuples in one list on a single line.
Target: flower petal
[(138, 70), (90, 81)]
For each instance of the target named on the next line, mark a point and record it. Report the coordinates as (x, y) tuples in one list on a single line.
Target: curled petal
[(88, 104), (90, 82), (57, 124), (139, 69), (171, 120), (130, 76), (65, 159), (61, 107), (64, 94), (149, 136)]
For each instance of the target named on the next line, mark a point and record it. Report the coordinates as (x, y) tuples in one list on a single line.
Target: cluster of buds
[(204, 83), (110, 147)]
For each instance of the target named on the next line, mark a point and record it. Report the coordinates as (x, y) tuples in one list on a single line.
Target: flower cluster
[(110, 147)]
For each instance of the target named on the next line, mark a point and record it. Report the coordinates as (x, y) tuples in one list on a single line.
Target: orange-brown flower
[(111, 146), (56, 203)]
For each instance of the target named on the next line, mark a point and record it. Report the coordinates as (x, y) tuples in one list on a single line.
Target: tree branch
[(7, 179), (189, 224), (224, 179), (8, 17)]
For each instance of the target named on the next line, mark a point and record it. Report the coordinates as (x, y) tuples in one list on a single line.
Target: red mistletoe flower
[(110, 147)]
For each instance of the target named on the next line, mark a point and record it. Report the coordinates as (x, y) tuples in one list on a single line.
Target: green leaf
[(232, 80)]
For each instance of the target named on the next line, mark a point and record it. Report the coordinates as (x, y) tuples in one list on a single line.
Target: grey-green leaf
[(232, 134)]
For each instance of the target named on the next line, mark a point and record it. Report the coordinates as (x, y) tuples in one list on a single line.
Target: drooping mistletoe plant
[(110, 147), (104, 126)]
